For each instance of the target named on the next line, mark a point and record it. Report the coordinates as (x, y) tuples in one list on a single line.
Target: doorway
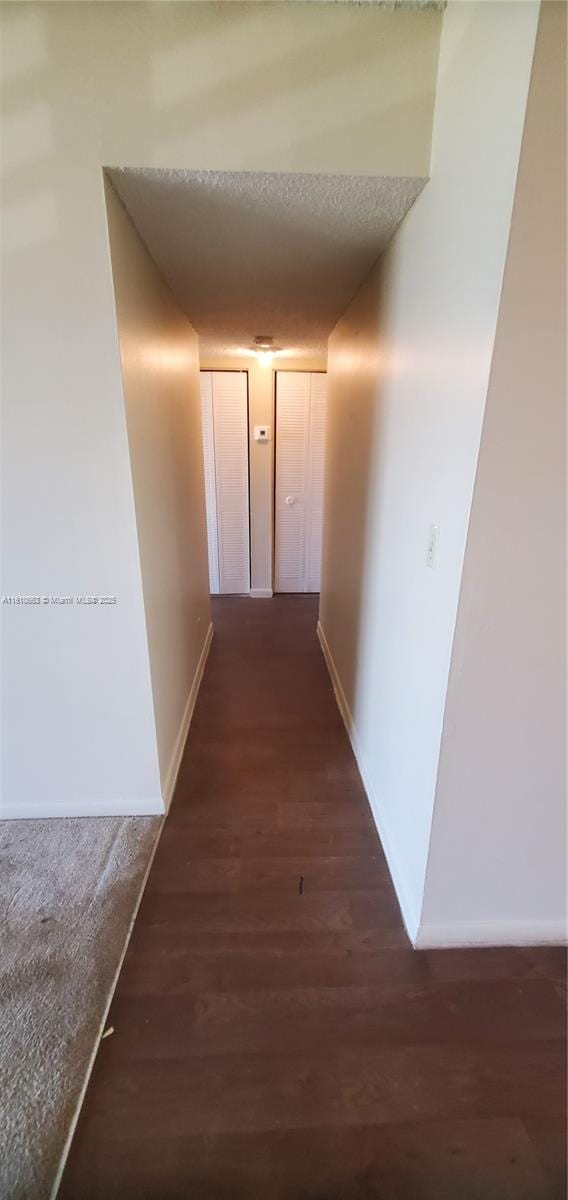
[(299, 479), (224, 418)]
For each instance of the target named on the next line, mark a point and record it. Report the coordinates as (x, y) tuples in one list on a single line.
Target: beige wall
[(160, 374), (408, 370), (78, 677), (261, 456), (497, 863), (293, 87), (234, 86)]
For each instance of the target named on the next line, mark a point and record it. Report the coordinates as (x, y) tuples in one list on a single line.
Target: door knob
[(290, 500)]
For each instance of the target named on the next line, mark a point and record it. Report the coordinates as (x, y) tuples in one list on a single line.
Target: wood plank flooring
[(276, 1038)]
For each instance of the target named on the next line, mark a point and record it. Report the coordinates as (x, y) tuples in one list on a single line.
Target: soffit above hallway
[(247, 253)]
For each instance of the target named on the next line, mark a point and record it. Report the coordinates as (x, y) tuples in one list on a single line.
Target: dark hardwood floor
[(276, 1037)]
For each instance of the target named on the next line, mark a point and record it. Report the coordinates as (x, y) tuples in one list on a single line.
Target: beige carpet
[(68, 891)]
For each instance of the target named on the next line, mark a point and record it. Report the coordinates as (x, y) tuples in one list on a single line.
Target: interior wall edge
[(179, 745), (108, 190), (402, 451), (161, 401), (501, 783), (408, 911)]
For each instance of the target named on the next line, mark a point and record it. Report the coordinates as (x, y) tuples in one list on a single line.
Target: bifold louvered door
[(300, 435), (316, 459), (224, 411), (209, 469)]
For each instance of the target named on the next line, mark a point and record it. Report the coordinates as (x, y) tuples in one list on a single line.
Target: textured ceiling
[(254, 253)]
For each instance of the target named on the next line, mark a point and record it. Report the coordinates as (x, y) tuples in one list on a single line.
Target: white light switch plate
[(432, 548)]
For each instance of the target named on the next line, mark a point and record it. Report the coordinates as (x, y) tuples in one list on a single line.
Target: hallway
[(275, 1036)]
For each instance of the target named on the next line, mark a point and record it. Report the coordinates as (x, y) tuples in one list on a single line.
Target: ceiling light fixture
[(265, 349)]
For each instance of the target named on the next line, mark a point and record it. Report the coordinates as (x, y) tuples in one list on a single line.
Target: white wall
[(78, 733), (233, 87), (497, 862), (160, 371), (408, 371), (261, 390)]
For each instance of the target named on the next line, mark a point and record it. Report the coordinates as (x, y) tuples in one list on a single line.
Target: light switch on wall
[(262, 433), (432, 548)]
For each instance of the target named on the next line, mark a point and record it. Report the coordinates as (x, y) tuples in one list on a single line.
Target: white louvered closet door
[(209, 471), (300, 429), (229, 515), (316, 464)]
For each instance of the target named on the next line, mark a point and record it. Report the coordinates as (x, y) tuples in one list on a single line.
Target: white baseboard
[(36, 810), (261, 593), (491, 933), (430, 936), (172, 772), (406, 905)]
